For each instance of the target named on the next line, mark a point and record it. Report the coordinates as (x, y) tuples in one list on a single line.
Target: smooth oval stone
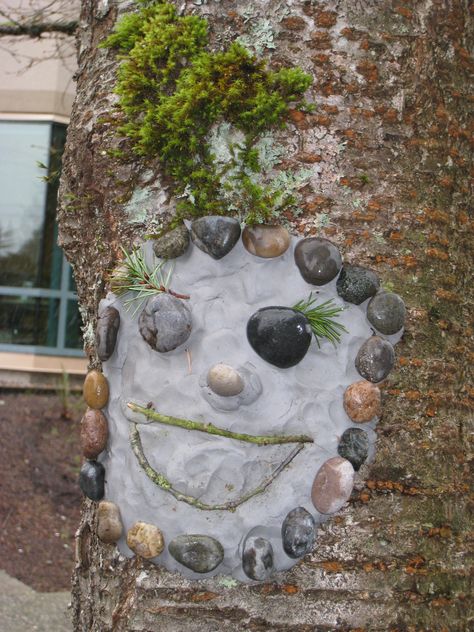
[(375, 359), (318, 260), (92, 479), (109, 523), (106, 332), (362, 401), (356, 284), (96, 390), (257, 558), (145, 540), (215, 235), (386, 312), (266, 241), (94, 433), (280, 335), (297, 532), (165, 322), (224, 380), (332, 485), (354, 446), (200, 553), (172, 244)]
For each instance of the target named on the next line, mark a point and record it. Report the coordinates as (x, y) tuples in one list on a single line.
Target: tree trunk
[(391, 139)]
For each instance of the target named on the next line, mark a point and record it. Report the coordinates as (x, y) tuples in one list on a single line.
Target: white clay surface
[(305, 399)]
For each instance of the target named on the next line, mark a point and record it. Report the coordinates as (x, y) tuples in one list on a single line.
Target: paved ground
[(24, 610)]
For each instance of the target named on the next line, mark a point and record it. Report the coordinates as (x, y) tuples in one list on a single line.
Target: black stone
[(215, 235), (375, 359), (356, 284), (172, 244), (386, 312), (297, 532), (280, 335), (200, 553), (106, 332), (354, 446), (92, 479), (318, 260), (165, 322), (257, 558)]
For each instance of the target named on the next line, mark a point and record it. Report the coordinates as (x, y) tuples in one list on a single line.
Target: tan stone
[(362, 401), (96, 390), (94, 433), (109, 523), (145, 540), (224, 380), (266, 241), (332, 485)]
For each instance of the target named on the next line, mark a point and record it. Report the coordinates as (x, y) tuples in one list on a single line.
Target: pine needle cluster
[(321, 319)]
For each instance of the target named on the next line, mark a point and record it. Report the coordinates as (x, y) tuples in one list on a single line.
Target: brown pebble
[(94, 433), (362, 401), (332, 485), (96, 390), (266, 241), (109, 523), (145, 540)]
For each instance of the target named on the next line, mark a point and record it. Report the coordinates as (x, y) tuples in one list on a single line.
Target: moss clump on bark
[(174, 91)]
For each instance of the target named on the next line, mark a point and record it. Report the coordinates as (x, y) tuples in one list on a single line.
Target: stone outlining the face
[(94, 433), (215, 235), (107, 328), (200, 553), (318, 260), (354, 446), (297, 533), (266, 241), (95, 390), (173, 244), (356, 284), (92, 479), (109, 522), (213, 469), (332, 485), (165, 322), (375, 359), (386, 312), (146, 540), (362, 401)]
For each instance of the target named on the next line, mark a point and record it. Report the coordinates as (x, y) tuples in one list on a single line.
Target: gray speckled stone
[(318, 260), (386, 312), (356, 284), (106, 331), (354, 446), (257, 558), (200, 553), (172, 244), (215, 235), (297, 533), (375, 359), (91, 480), (165, 322)]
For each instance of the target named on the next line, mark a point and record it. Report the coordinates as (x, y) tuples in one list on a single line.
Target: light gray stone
[(165, 322)]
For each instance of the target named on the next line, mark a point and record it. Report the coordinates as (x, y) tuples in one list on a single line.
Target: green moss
[(174, 92)]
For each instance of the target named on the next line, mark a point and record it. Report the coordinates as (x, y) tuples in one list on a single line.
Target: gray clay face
[(304, 399)]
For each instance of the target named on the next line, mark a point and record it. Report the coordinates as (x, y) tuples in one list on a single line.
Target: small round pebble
[(266, 241), (145, 540), (92, 479), (109, 523), (386, 312), (356, 284), (200, 553), (106, 332), (318, 260), (96, 390), (94, 433), (165, 322), (224, 380), (172, 244), (362, 401), (375, 359), (332, 485), (354, 446), (297, 533), (215, 235), (257, 558)]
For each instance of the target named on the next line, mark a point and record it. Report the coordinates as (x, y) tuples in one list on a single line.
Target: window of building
[(38, 303)]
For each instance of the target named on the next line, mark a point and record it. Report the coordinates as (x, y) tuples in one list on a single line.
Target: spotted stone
[(318, 260), (266, 241), (200, 553), (375, 359), (109, 522), (94, 433), (107, 328), (354, 446), (362, 401), (145, 540), (297, 532), (173, 244), (96, 390), (257, 558), (332, 485), (386, 312), (356, 284)]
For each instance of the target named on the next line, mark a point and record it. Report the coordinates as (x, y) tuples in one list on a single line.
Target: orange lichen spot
[(368, 70), (415, 566), (443, 324), (350, 133), (293, 23), (402, 361), (320, 40), (203, 596), (350, 34), (320, 59), (364, 497), (447, 182), (431, 411), (297, 117), (404, 12), (412, 396), (368, 567), (331, 109), (309, 158), (322, 120), (416, 362), (364, 45), (326, 19), (391, 115), (440, 602), (441, 113), (395, 236), (364, 217), (434, 215), (446, 295), (435, 253), (290, 589), (332, 567)]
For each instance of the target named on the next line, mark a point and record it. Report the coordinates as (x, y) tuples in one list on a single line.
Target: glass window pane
[(73, 338), (72, 282), (28, 321)]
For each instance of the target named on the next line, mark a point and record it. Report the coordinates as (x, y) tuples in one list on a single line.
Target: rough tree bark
[(391, 136)]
